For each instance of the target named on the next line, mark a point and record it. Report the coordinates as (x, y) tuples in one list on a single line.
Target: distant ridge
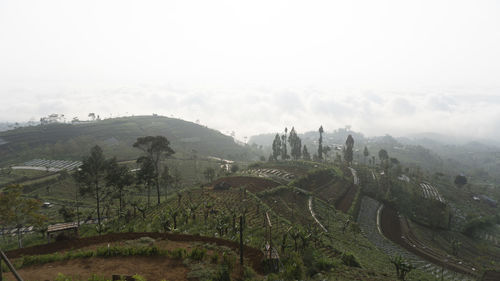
[(71, 142)]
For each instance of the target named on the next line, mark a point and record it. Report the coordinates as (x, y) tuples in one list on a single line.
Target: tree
[(276, 147), (366, 153), (118, 177), (284, 152), (305, 154), (295, 144), (402, 267), (146, 175), (18, 211), (460, 180), (155, 148), (90, 177), (348, 154), (383, 155), (235, 168), (209, 174), (320, 144), (326, 150), (67, 213)]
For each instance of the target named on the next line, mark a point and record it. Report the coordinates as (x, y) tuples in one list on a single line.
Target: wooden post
[(270, 236), (9, 265), (241, 240)]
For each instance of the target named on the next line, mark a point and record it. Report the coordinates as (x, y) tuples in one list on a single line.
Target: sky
[(382, 67)]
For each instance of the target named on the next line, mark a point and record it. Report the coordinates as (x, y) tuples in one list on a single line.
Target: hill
[(116, 136)]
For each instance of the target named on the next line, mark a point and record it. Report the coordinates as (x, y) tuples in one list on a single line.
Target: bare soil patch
[(344, 204), (152, 268), (252, 184)]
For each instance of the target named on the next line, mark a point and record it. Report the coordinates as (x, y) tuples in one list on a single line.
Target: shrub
[(248, 273), (137, 277), (215, 258), (178, 254), (350, 260), (293, 268), (62, 277), (224, 274), (228, 260), (197, 254)]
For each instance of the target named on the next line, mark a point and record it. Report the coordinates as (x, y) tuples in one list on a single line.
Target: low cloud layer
[(254, 111)]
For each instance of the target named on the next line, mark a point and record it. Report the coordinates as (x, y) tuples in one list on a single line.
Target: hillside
[(116, 136), (476, 159)]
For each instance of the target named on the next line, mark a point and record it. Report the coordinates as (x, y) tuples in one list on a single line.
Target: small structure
[(47, 205), (71, 227)]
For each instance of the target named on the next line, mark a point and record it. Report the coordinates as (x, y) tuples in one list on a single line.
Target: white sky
[(257, 66)]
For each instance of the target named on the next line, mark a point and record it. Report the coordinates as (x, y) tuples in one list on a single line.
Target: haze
[(396, 67)]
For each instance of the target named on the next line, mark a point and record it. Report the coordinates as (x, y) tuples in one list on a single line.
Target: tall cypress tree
[(284, 152), (295, 144), (320, 144), (305, 153), (349, 144), (276, 147)]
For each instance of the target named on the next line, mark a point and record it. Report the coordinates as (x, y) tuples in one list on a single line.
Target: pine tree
[(320, 144), (305, 154), (284, 152), (348, 154), (295, 144), (276, 147), (366, 153)]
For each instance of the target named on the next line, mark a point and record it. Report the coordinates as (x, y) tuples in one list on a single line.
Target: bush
[(178, 254), (197, 254), (62, 277), (224, 274), (350, 260), (215, 258), (293, 268), (248, 273), (228, 260)]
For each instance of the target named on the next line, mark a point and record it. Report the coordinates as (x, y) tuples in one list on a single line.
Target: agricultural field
[(319, 219)]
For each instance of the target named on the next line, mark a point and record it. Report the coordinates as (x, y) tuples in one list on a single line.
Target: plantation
[(294, 219)]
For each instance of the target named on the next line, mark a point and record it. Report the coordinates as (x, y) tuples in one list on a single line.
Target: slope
[(116, 136)]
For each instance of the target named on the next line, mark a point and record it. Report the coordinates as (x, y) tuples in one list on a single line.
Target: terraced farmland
[(369, 222), (49, 165), (430, 192)]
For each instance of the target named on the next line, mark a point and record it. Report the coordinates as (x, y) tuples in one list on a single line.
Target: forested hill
[(116, 136)]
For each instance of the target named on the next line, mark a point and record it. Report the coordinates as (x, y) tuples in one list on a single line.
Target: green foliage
[(293, 268), (197, 254), (475, 224), (209, 174), (138, 277), (248, 273), (214, 258), (276, 147), (178, 254), (62, 277), (224, 274), (200, 272), (350, 260), (228, 260), (402, 266), (18, 211)]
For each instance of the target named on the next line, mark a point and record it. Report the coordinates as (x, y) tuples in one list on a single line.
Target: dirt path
[(345, 203), (314, 215), (390, 223), (152, 268), (255, 256)]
